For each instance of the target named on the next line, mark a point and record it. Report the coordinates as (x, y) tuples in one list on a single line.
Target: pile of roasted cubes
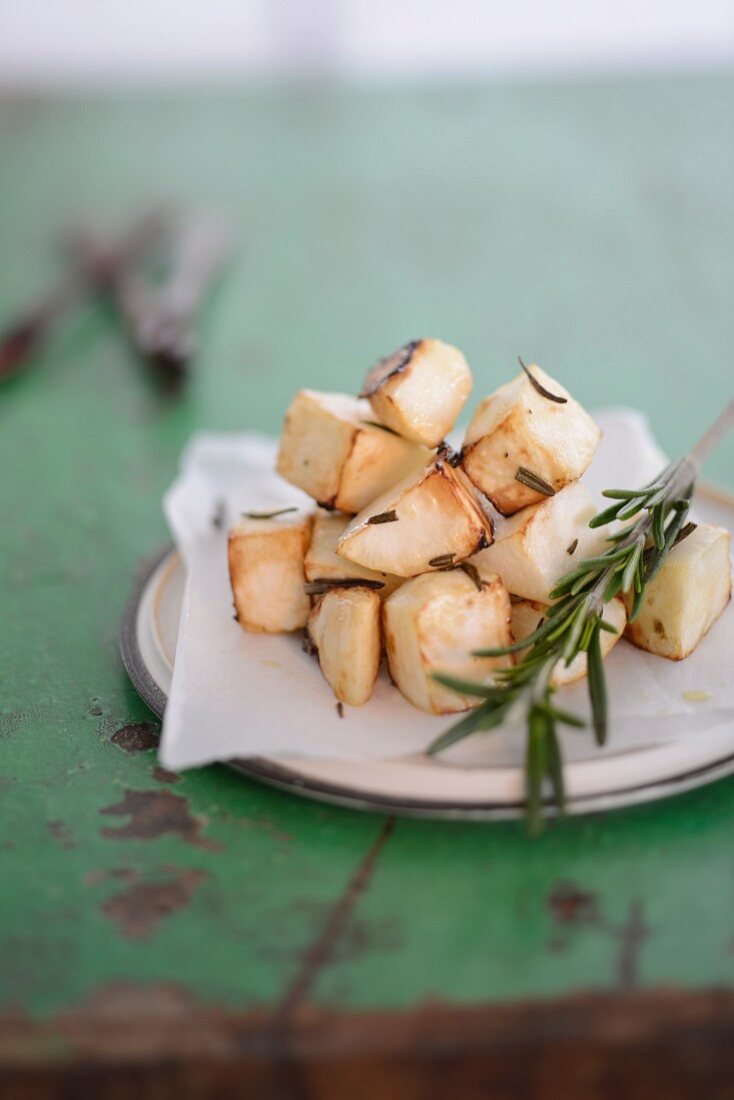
[(426, 553)]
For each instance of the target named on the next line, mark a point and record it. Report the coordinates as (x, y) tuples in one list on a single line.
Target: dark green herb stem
[(540, 388), (269, 515)]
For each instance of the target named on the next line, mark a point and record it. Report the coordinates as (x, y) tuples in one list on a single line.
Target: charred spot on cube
[(384, 517), (447, 453), (388, 367)]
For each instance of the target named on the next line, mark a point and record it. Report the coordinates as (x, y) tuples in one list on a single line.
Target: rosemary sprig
[(573, 625)]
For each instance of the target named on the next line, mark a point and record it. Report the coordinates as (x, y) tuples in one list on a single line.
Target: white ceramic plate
[(418, 785)]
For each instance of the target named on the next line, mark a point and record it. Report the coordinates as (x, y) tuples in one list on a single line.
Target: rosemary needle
[(540, 388), (573, 625), (269, 515), (443, 561), (534, 481)]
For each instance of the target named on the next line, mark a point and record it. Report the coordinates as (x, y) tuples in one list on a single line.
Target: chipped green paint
[(589, 228)]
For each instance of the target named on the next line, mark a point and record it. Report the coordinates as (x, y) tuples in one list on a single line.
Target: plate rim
[(290, 779)]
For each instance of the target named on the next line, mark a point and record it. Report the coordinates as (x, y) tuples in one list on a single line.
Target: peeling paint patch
[(13, 720), (157, 813), (571, 908), (141, 905), (162, 775), (61, 832), (570, 905), (137, 737)]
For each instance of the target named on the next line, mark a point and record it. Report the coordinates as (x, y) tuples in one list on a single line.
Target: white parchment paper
[(238, 694)]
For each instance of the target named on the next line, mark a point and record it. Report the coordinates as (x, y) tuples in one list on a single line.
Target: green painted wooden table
[(182, 934)]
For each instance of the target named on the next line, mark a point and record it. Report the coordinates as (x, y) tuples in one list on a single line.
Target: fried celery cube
[(332, 449), (687, 596), (430, 520), (420, 389), (324, 564), (345, 629), (527, 615), (533, 549), (432, 624), (266, 571), (517, 432)]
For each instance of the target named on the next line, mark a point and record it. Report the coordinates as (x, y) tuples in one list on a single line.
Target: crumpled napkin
[(237, 695)]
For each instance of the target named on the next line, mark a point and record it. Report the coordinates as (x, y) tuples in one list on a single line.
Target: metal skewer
[(712, 437), (161, 320), (24, 337)]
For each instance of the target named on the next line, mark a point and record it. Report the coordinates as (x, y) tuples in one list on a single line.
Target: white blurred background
[(50, 42)]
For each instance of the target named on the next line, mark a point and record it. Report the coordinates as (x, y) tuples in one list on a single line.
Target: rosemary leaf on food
[(541, 389), (443, 561), (269, 515), (534, 481), (319, 585)]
